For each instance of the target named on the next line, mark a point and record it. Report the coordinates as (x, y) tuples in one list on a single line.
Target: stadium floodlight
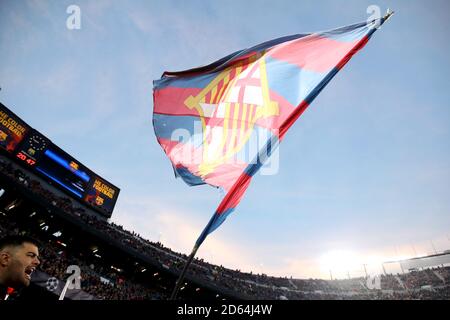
[(15, 203), (10, 206), (61, 243), (57, 234), (117, 269)]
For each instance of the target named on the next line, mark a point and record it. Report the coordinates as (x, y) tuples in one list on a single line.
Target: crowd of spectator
[(95, 280), (424, 284)]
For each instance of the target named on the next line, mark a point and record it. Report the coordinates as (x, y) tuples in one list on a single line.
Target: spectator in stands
[(19, 257), (104, 283)]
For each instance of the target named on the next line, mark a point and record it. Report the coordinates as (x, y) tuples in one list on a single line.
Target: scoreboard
[(43, 157), (12, 129)]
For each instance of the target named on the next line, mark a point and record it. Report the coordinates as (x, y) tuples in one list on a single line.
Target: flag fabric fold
[(218, 124)]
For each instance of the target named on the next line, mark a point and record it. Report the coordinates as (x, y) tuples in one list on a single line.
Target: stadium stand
[(117, 264)]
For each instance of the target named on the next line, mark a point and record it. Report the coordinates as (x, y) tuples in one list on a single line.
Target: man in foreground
[(19, 257)]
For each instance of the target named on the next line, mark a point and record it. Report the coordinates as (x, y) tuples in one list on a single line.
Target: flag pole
[(240, 185), (388, 15), (183, 273), (197, 245)]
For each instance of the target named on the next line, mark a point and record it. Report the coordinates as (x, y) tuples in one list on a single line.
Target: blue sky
[(364, 173)]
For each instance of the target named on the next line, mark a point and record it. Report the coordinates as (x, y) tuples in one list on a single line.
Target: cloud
[(195, 40), (144, 22), (178, 229), (61, 84), (59, 81)]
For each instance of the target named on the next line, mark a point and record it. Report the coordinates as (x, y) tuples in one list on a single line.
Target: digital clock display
[(32, 148), (26, 159)]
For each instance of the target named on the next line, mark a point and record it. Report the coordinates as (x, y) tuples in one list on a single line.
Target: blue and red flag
[(219, 123)]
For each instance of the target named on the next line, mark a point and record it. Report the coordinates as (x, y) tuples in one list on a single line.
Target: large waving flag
[(219, 123)]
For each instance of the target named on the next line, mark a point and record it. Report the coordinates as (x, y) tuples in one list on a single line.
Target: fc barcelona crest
[(229, 107)]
